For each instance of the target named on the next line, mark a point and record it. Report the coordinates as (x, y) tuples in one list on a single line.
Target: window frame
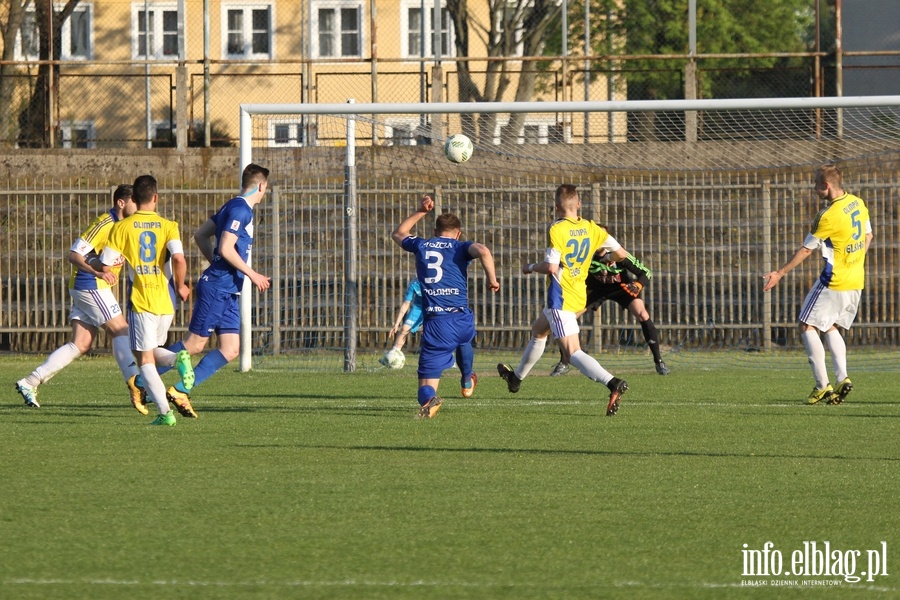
[(296, 135), (65, 40), (156, 31), (337, 6), (66, 127), (405, 6), (247, 30)]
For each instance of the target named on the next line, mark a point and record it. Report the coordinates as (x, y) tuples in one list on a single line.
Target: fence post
[(767, 260), (276, 272)]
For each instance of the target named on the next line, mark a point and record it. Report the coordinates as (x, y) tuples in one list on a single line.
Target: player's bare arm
[(404, 230), (228, 251), (404, 307), (179, 273), (483, 253), (203, 238), (94, 266), (772, 278)]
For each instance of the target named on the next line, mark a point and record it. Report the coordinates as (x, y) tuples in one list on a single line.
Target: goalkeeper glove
[(633, 288)]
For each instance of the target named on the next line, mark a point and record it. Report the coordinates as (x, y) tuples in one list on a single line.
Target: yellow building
[(139, 70)]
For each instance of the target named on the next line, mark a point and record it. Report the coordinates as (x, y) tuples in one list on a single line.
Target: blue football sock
[(465, 357), (426, 393), (205, 369)]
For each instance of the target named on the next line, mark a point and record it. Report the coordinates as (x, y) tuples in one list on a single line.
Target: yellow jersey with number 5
[(574, 241), (142, 239), (840, 231)]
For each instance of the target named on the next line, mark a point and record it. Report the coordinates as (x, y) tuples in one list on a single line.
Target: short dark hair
[(144, 189), (447, 222), (123, 192), (830, 173), (566, 193), (253, 175)]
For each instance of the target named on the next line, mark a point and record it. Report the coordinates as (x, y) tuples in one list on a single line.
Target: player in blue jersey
[(93, 303), (449, 327), (411, 308), (217, 293), (842, 231)]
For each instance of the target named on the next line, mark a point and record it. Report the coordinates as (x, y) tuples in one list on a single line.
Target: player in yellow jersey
[(93, 303), (843, 232), (573, 242), (147, 241)]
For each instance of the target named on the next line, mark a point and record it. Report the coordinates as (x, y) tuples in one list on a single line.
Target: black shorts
[(599, 293)]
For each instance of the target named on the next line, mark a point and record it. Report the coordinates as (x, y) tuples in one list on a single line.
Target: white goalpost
[(708, 193)]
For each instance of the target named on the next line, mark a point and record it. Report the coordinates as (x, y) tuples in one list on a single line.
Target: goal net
[(709, 194)]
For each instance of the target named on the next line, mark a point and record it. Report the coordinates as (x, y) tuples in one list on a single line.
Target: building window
[(337, 29), (286, 135), (77, 36), (247, 31), (156, 31), (513, 15), (28, 41), (533, 131), (407, 132), (411, 30), (78, 134)]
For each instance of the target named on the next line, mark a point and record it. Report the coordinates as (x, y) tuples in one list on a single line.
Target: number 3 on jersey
[(434, 260)]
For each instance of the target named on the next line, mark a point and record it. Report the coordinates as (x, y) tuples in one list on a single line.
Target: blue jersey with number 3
[(441, 265)]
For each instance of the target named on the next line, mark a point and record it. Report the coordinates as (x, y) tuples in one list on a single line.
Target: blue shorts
[(215, 311), (414, 319), (441, 336)]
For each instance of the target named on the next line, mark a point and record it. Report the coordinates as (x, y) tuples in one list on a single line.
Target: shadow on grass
[(571, 452)]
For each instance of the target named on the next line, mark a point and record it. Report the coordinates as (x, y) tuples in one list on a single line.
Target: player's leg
[(534, 350), (817, 314), (637, 308), (228, 350), (815, 353), (846, 306), (540, 329), (145, 329), (117, 328), (436, 356), (465, 353), (82, 337)]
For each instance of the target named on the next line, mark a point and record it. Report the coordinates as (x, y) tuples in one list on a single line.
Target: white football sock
[(56, 362), (163, 357), (155, 387), (838, 349), (590, 368), (815, 351), (533, 353), (121, 348)]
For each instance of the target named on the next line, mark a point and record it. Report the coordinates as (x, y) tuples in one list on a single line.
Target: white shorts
[(824, 307), (148, 331), (94, 307), (563, 323)]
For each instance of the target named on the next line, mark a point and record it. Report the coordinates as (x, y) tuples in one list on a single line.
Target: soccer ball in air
[(394, 359), (458, 148)]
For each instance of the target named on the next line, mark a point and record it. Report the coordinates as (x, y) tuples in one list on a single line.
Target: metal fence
[(708, 238)]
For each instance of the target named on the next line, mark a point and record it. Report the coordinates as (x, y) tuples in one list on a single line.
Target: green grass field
[(326, 486)]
